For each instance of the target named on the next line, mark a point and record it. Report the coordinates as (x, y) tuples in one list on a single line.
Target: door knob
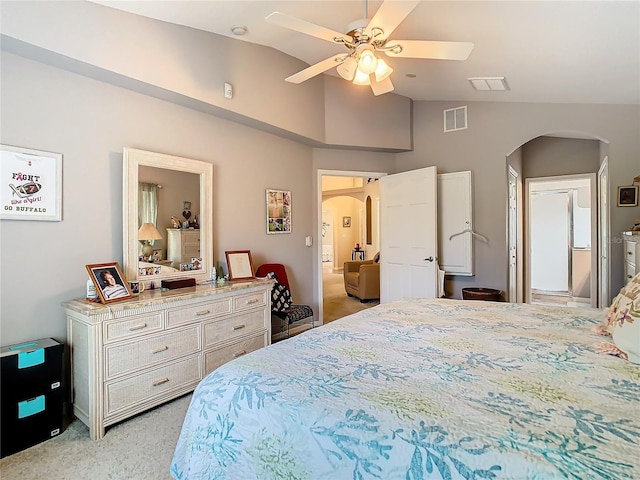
[(430, 259)]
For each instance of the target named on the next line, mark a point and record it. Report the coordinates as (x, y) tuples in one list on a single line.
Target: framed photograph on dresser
[(240, 264), (110, 282)]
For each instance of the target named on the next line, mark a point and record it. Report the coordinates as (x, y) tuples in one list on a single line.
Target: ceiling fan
[(365, 40)]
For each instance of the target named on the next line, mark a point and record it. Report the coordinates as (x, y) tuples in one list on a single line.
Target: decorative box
[(178, 283)]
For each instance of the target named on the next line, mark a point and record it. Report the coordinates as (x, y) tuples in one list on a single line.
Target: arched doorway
[(556, 155)]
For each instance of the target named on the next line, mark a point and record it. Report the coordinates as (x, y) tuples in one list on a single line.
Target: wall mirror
[(167, 217)]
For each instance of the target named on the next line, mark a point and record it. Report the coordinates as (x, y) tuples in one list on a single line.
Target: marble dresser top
[(159, 298)]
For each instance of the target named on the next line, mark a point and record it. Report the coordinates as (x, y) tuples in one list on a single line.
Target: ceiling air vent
[(455, 119)]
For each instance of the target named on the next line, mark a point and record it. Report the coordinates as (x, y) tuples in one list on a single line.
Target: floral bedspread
[(421, 389)]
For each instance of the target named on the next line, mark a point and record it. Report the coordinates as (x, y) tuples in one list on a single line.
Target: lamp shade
[(368, 61), (382, 70), (378, 88), (148, 231), (361, 78), (347, 69)]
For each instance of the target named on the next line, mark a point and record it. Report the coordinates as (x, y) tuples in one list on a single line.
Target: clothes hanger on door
[(469, 230)]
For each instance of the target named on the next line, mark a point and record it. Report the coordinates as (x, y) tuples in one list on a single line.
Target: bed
[(421, 389)]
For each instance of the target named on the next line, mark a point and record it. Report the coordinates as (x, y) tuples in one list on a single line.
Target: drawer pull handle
[(163, 349), (239, 354), (239, 327), (160, 382), (629, 253), (203, 312), (251, 302), (137, 327)]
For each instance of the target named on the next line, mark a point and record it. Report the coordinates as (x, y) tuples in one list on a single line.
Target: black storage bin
[(480, 293), (31, 394)]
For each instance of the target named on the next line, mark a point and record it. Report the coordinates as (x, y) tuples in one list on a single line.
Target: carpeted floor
[(335, 302), (140, 448)]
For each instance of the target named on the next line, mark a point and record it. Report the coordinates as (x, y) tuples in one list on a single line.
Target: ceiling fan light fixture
[(361, 78), (382, 70), (347, 69), (379, 88), (368, 60)]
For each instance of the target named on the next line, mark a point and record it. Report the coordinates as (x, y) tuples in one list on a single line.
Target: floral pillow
[(623, 319), (280, 295)]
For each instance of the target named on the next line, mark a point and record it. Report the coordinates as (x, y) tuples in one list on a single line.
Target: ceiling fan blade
[(308, 28), (316, 69), (390, 15), (430, 49)]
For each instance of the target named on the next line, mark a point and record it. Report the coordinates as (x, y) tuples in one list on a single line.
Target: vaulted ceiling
[(548, 51)]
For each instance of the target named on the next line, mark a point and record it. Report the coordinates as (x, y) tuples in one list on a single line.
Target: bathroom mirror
[(171, 198)]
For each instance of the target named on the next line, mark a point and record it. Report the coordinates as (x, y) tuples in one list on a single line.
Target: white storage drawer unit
[(182, 245), (631, 255), (132, 355)]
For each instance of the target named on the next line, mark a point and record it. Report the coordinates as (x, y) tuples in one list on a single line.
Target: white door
[(550, 229), (603, 233), (409, 235), (513, 235)]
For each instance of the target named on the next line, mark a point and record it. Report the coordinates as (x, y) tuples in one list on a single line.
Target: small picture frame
[(186, 206), (346, 222), (110, 282), (240, 264), (156, 255), (628, 196), (278, 211)]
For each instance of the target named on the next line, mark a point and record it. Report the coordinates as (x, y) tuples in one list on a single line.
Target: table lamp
[(146, 233)]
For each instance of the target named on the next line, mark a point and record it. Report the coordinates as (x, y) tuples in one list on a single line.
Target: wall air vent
[(455, 119)]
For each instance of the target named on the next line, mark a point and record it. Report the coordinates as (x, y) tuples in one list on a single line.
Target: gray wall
[(89, 121), (189, 67), (497, 129), (552, 156)]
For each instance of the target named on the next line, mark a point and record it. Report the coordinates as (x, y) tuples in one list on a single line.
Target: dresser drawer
[(132, 327), (191, 251), (234, 327), (252, 300), (630, 252), (149, 351), (630, 271), (214, 358), (199, 312), (127, 393)]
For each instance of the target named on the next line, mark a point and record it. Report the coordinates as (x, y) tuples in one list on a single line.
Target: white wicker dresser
[(129, 356)]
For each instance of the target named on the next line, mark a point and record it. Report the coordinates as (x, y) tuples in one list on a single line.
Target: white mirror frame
[(132, 160)]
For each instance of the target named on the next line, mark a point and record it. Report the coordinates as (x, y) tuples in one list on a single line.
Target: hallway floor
[(565, 300), (336, 303)]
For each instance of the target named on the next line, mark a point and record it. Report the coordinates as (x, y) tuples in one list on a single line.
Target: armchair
[(362, 279)]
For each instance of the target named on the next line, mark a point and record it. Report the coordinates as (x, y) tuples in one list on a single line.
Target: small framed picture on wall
[(628, 196), (346, 222)]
